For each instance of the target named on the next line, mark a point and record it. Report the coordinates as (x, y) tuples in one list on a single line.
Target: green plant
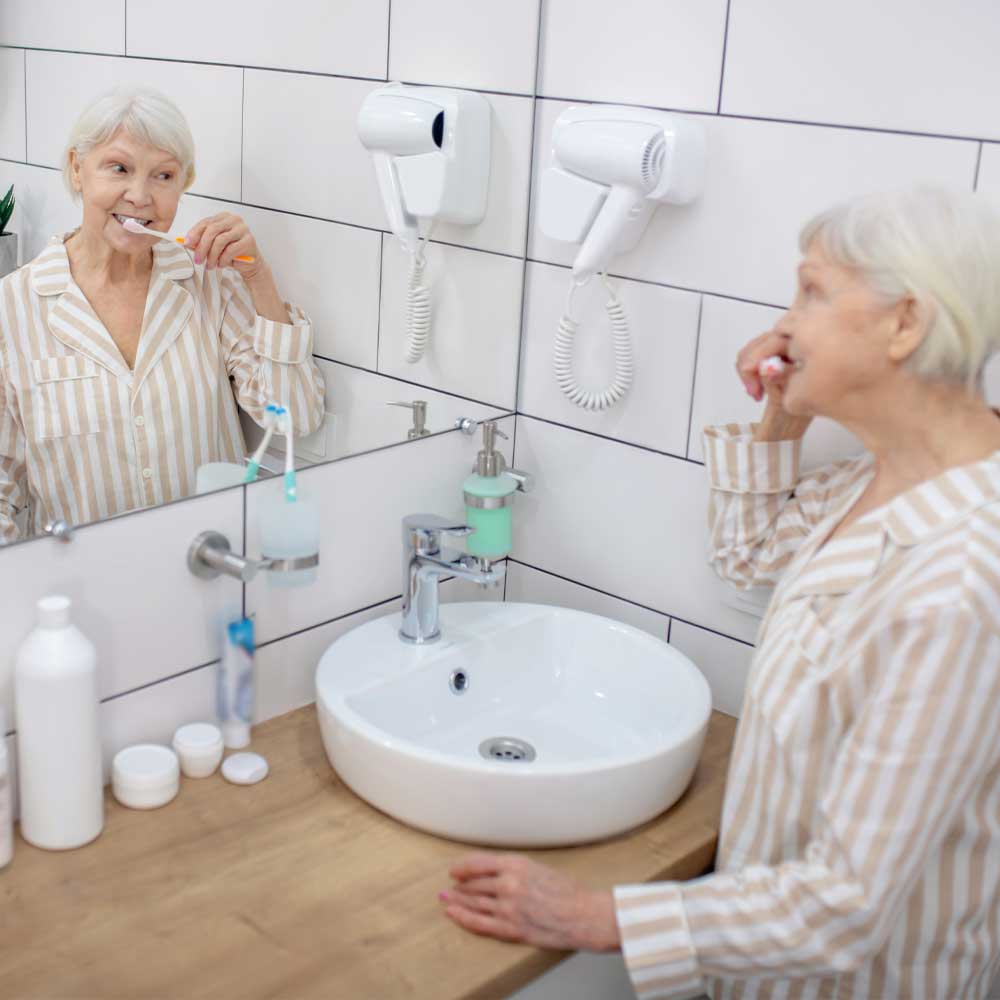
[(6, 208)]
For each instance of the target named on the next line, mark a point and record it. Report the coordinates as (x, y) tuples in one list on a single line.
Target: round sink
[(523, 726)]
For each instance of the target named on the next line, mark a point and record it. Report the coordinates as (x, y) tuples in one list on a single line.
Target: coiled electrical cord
[(418, 306), (563, 355)]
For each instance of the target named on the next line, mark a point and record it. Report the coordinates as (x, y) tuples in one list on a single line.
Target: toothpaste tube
[(234, 691)]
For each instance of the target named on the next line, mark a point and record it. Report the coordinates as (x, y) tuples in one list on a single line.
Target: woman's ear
[(912, 322), (74, 171)]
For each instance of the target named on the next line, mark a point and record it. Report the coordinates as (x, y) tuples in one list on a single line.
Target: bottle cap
[(244, 768), (53, 611)]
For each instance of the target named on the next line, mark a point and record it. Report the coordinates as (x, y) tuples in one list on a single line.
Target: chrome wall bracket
[(210, 555)]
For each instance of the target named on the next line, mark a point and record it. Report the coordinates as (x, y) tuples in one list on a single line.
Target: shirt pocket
[(68, 395)]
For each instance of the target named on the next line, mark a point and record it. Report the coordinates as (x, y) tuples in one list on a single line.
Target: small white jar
[(145, 776), (199, 747)]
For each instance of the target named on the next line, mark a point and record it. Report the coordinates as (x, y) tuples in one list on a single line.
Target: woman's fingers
[(481, 923), (749, 358), (478, 863), (218, 239)]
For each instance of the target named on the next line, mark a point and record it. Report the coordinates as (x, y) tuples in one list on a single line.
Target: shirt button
[(140, 420), (147, 473)]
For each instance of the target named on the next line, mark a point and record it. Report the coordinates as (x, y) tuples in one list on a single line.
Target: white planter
[(8, 253)]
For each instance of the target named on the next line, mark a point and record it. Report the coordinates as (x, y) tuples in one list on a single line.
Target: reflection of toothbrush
[(773, 365), (137, 227), (280, 419)]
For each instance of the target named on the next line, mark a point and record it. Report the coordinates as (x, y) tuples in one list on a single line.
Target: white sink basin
[(616, 719)]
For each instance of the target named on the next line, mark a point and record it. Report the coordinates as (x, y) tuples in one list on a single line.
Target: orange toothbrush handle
[(246, 258)]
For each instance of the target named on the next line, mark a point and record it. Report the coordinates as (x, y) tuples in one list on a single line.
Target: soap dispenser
[(489, 497)]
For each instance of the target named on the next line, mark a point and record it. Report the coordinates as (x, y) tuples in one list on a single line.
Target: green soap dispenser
[(489, 497)]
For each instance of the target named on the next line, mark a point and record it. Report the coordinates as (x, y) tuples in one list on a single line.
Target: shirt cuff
[(287, 343), (656, 942), (738, 464)]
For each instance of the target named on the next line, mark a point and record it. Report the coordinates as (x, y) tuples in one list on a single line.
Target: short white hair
[(941, 247), (146, 114)]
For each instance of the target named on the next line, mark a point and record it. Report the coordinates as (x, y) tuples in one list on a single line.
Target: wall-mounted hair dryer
[(611, 167), (431, 149)]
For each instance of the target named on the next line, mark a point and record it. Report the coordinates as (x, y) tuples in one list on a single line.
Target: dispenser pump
[(489, 462)]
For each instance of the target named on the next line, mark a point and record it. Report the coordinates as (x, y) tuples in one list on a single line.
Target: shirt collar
[(50, 271)]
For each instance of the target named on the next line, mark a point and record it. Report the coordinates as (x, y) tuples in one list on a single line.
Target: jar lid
[(145, 767), (198, 738)]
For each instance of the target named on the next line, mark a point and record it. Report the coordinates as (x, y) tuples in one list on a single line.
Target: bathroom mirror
[(332, 272)]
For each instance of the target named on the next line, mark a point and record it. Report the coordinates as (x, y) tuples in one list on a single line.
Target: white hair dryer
[(611, 167), (431, 149)]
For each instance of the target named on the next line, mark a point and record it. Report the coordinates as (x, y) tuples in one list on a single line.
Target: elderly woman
[(858, 855), (123, 357)]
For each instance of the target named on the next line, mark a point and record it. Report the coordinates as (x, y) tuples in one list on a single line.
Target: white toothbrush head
[(133, 226), (773, 365)]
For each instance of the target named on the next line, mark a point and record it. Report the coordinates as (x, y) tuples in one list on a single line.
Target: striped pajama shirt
[(859, 850), (83, 436)]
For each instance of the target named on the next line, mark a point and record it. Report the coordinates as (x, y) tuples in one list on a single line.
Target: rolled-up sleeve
[(12, 463), (760, 509), (270, 361), (906, 769)]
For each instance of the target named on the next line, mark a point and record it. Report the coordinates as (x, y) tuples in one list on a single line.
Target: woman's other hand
[(219, 239), (513, 898)]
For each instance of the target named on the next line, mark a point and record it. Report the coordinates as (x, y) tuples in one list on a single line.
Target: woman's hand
[(217, 240), (776, 424), (513, 898)]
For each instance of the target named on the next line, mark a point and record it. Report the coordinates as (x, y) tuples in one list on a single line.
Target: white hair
[(940, 247), (146, 114)]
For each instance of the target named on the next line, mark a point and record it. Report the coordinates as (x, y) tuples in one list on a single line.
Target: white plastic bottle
[(6, 797), (60, 781)]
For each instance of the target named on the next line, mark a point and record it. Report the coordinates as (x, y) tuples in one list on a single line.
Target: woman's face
[(837, 333), (127, 177)]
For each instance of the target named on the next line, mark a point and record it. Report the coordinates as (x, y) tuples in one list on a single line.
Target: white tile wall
[(454, 43), (132, 592), (12, 140), (664, 327), (989, 170), (719, 396), (764, 180), (893, 65), (620, 519), (347, 37), (97, 26), (475, 325), (662, 53), (724, 662), (61, 84)]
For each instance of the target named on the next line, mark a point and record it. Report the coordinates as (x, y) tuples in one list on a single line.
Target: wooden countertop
[(293, 888)]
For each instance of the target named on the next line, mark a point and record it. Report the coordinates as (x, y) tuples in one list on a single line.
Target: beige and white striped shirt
[(83, 436), (859, 853)]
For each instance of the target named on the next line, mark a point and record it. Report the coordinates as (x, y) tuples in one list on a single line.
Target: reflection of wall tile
[(61, 85), (132, 592), (764, 180), (96, 26), (663, 53), (12, 141), (331, 271), (719, 396), (475, 320), (786, 59), (457, 44), (349, 38), (663, 324), (363, 501), (42, 206)]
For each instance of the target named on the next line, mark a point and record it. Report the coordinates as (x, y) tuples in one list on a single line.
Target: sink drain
[(506, 748)]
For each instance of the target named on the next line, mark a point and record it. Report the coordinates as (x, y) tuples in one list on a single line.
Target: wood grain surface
[(293, 888)]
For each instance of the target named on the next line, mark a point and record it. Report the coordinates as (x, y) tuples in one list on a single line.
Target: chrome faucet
[(425, 562)]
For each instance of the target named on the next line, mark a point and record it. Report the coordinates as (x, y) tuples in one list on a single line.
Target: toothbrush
[(773, 365), (137, 227), (291, 490), (271, 419)]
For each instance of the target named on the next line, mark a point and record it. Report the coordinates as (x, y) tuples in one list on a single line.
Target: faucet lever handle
[(423, 531)]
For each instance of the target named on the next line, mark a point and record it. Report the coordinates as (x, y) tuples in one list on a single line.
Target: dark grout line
[(607, 437), (378, 305), (388, 39), (329, 621), (243, 127), (722, 67), (159, 680), (125, 27), (975, 176), (625, 600), (694, 376)]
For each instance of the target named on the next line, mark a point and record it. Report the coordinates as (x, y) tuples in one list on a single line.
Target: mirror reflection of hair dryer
[(611, 167), (431, 151)]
